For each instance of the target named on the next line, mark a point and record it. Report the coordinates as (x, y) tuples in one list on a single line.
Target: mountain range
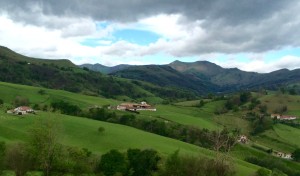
[(201, 76), (175, 80)]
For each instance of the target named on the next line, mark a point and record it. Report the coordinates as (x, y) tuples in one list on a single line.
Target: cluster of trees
[(62, 160), (134, 162), (259, 122), (196, 166), (66, 108)]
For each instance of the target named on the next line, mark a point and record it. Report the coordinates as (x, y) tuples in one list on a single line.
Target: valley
[(190, 117)]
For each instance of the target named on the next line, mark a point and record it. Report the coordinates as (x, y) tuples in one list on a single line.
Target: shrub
[(101, 129), (112, 163)]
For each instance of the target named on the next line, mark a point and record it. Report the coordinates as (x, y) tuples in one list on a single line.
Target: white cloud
[(263, 65)]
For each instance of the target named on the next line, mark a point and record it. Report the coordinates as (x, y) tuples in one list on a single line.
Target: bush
[(142, 162), (42, 92), (101, 129), (1, 102), (113, 163), (262, 172)]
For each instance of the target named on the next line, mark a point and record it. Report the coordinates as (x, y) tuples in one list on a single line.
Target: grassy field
[(83, 133), (281, 137), (184, 115), (32, 93)]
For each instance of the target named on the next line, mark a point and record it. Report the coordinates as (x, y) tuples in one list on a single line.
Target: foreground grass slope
[(83, 133)]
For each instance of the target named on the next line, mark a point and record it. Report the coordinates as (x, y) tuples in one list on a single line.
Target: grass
[(50, 95), (184, 115), (83, 133), (281, 137)]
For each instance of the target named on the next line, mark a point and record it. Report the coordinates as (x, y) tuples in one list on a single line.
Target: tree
[(101, 130), (18, 159), (42, 92), (296, 155), (244, 97), (173, 165), (44, 144), (263, 108), (201, 103), (292, 92), (112, 163), (282, 90), (2, 154), (142, 162)]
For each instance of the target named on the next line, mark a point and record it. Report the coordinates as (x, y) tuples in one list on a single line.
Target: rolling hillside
[(202, 76), (82, 132), (64, 75), (105, 69), (163, 75), (234, 79)]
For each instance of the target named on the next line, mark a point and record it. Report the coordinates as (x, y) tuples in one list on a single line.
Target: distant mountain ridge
[(164, 75), (105, 69), (176, 79), (204, 76), (235, 79), (63, 74)]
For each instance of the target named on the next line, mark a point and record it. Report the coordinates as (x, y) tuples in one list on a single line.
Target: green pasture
[(83, 133)]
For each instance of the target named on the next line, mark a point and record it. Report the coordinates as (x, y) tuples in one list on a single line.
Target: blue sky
[(156, 32)]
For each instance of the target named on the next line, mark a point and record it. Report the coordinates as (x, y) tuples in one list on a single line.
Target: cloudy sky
[(253, 35)]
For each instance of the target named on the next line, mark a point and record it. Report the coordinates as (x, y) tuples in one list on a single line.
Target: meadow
[(83, 132)]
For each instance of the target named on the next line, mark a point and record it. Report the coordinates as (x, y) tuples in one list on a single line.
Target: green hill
[(83, 132), (62, 74), (232, 79), (163, 75), (105, 69)]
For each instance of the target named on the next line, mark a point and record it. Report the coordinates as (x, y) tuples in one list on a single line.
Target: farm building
[(243, 139), (283, 117), (283, 155), (21, 110), (143, 106)]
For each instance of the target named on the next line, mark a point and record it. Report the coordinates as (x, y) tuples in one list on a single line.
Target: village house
[(21, 110), (243, 139), (143, 106), (283, 155), (283, 117)]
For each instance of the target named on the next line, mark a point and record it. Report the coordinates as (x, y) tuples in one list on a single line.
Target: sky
[(252, 35)]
